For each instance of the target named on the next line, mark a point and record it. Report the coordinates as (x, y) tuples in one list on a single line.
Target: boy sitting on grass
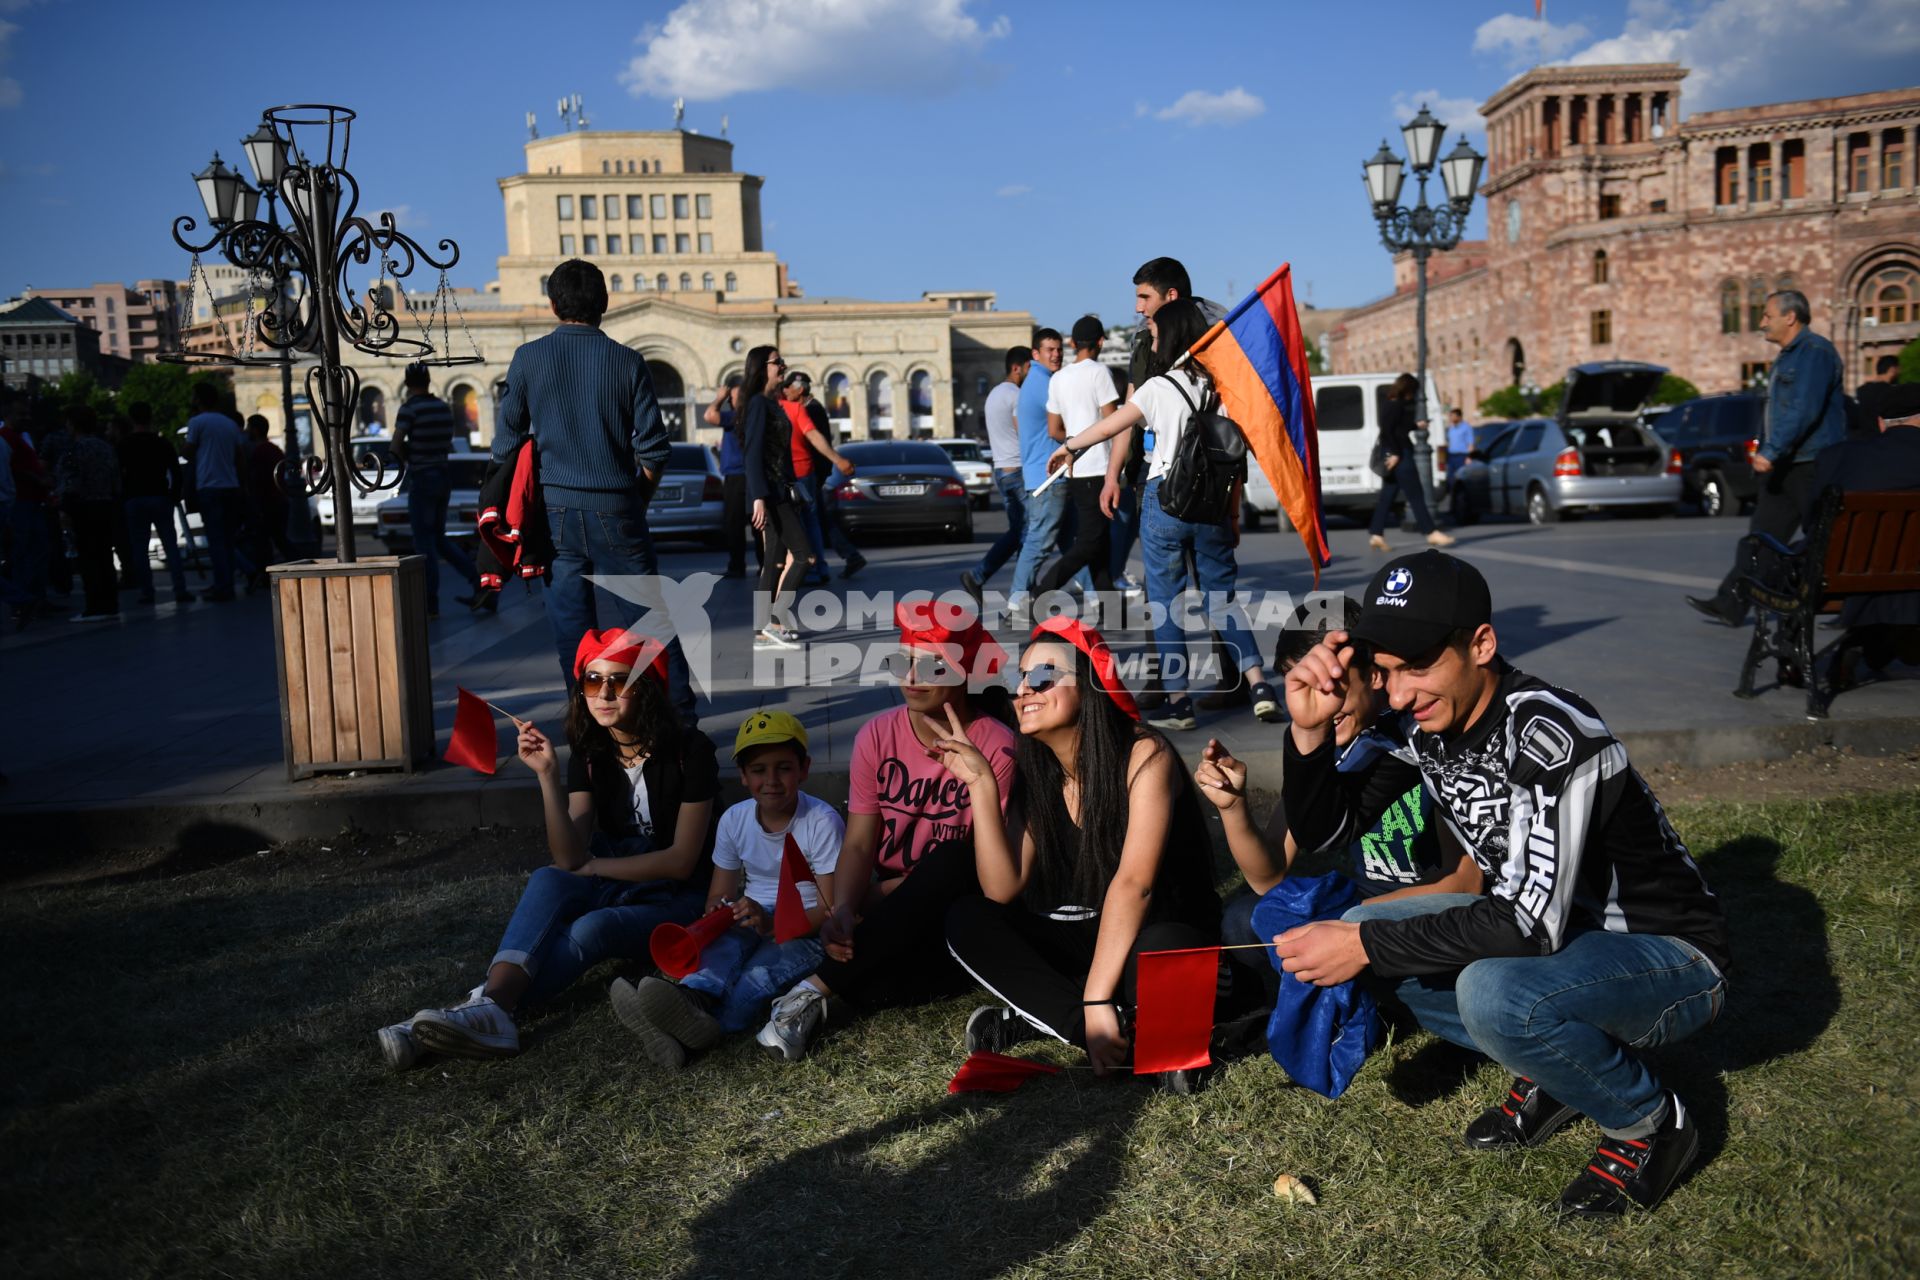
[(743, 969), (1393, 848)]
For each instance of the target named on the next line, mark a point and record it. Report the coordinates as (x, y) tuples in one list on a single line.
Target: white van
[(1346, 410)]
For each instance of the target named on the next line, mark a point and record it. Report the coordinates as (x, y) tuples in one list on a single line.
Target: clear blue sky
[(1042, 151)]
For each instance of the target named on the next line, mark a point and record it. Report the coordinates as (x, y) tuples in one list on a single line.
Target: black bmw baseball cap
[(1416, 601)]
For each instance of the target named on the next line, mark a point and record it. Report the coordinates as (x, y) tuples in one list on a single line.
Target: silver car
[(1596, 454), (688, 503)]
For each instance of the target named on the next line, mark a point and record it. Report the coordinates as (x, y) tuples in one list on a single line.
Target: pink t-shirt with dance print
[(917, 801)]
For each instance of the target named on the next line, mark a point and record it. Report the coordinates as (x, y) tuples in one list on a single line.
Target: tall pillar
[(1874, 152)]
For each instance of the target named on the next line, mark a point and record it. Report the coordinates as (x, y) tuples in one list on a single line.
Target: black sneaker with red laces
[(1526, 1117), (1625, 1172)]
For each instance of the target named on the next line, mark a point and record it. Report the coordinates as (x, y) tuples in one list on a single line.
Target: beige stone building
[(693, 288), (1618, 230)]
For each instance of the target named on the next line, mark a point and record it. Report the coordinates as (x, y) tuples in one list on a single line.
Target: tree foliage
[(1910, 362), (1674, 389)]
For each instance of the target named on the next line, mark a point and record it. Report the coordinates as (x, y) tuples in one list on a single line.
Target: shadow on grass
[(967, 1187)]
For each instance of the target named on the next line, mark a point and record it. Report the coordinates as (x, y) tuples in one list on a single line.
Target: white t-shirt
[(1078, 393), (1003, 433), (1166, 414), (642, 802), (742, 842)]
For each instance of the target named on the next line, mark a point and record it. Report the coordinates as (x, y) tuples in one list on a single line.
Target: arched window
[(706, 281), (614, 284), (920, 400), (660, 282), (1756, 302), (639, 284), (465, 403), (543, 286), (686, 282), (1892, 295), (1599, 266), (1730, 306), (839, 403), (733, 282), (879, 403)]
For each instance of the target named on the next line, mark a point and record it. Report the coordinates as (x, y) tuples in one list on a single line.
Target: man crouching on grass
[(1598, 937)]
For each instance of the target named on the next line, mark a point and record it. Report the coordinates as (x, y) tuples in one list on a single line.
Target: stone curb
[(388, 803)]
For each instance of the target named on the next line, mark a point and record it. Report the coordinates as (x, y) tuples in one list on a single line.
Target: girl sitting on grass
[(629, 835)]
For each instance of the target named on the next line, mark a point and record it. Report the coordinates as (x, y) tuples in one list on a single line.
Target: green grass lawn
[(192, 1089)]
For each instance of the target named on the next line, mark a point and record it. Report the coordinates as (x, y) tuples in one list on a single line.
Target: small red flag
[(473, 742), (1173, 1021), (985, 1072), (789, 912)]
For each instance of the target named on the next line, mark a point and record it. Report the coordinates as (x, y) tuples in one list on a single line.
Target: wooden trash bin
[(350, 641)]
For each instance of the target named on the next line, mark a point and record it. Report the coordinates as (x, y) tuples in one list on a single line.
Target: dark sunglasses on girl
[(594, 681), (919, 668), (1041, 676)]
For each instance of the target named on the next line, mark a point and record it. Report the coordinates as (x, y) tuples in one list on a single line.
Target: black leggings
[(1039, 965), (1090, 550), (786, 531), (900, 951)]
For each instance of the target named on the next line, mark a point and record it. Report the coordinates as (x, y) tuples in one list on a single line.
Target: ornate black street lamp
[(1422, 231), (311, 309)]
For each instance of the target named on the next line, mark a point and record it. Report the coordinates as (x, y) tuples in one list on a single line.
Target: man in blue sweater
[(589, 404)]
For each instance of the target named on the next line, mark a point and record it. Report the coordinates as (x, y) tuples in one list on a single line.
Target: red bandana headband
[(616, 645), (921, 629), (1088, 641)]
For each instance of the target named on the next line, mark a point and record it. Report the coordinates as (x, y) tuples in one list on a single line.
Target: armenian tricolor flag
[(1258, 362)]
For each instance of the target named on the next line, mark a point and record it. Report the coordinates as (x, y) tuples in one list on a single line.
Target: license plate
[(668, 493), (900, 490)]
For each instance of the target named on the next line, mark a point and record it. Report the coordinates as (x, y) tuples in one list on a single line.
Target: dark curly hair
[(655, 727)]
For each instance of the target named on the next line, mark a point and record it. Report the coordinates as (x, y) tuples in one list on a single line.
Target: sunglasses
[(593, 682), (1042, 676), (919, 668)]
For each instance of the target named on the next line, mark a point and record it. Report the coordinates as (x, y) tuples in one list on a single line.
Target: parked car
[(365, 506), (902, 486), (1717, 437), (466, 472), (975, 467), (1594, 455), (688, 502)]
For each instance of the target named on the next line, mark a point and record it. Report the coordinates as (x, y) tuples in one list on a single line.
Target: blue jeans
[(745, 970), (1013, 493), (221, 513), (565, 924), (428, 489), (156, 514), (1164, 543), (1045, 514), (1125, 529), (27, 559), (1403, 479), (822, 520), (605, 544), (1572, 1021)]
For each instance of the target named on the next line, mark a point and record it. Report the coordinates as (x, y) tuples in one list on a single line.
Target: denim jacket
[(1805, 399)]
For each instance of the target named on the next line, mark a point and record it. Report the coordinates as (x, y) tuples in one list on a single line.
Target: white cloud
[(1013, 189), (1526, 39), (10, 93), (405, 217), (708, 49), (1460, 115), (1198, 107), (1752, 51)]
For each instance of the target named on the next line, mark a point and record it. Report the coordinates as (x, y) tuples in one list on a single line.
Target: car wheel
[(963, 532), (1714, 500), (1540, 507)]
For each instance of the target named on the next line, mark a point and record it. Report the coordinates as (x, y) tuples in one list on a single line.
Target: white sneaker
[(772, 637), (398, 1046), (474, 1028), (796, 1017)]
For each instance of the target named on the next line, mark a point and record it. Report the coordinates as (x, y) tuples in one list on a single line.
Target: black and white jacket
[(1543, 798)]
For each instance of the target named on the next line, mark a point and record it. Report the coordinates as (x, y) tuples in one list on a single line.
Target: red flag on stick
[(789, 912), (985, 1072), (1173, 1022), (473, 742)]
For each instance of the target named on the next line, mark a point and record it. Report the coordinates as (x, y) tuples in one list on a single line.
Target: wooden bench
[(1857, 544)]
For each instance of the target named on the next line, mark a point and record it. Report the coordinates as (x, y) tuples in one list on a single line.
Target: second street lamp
[(1422, 231), (267, 154)]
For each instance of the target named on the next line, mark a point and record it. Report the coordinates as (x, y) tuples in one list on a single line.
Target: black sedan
[(902, 487), (1717, 437)]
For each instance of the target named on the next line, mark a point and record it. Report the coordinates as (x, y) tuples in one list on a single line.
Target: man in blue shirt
[(217, 450), (1806, 412), (1046, 513), (602, 448)]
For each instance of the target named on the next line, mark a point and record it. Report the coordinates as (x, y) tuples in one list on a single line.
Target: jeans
[(823, 521), (1013, 492), (745, 969), (221, 511), (786, 532), (605, 544), (1044, 517), (1404, 478), (27, 559), (1164, 544), (154, 514), (565, 924), (1573, 1021), (734, 524), (1126, 528), (428, 490), (1092, 547), (93, 525)]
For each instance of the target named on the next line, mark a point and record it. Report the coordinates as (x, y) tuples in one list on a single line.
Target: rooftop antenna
[(723, 126), (579, 113), (533, 126), (563, 113), (679, 113)]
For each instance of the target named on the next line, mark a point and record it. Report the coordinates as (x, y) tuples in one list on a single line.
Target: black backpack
[(1209, 457)]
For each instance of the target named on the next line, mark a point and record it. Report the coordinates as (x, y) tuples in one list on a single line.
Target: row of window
[(591, 207), (1764, 181), (1755, 294), (613, 166), (662, 283), (44, 366), (682, 243), (34, 340)]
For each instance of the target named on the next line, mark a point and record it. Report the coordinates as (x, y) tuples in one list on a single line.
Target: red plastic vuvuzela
[(676, 948)]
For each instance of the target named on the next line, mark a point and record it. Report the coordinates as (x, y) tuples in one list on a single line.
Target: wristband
[(1084, 1004)]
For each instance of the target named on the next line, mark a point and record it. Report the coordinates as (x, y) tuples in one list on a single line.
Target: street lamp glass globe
[(1461, 172), (1423, 134), (219, 189), (267, 154), (249, 204), (1385, 174)]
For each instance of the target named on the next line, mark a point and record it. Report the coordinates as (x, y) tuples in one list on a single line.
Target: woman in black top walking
[(1402, 477), (767, 435)]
